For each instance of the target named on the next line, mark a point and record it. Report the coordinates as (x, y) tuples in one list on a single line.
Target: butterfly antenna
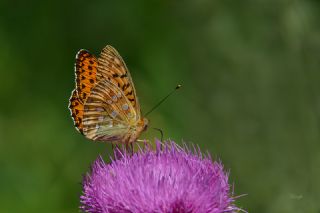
[(162, 100)]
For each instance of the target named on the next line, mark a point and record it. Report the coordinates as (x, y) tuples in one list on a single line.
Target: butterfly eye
[(146, 124), (145, 127)]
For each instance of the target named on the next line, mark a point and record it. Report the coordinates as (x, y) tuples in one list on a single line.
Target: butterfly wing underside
[(104, 105), (112, 67), (108, 113)]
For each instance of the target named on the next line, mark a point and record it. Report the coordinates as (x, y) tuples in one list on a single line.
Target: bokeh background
[(250, 96)]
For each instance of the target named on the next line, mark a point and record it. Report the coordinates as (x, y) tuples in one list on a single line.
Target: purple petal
[(168, 179)]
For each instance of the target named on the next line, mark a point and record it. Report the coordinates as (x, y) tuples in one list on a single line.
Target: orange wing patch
[(86, 74), (76, 108), (86, 77)]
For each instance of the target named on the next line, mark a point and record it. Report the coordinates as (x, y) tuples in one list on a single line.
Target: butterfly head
[(143, 125)]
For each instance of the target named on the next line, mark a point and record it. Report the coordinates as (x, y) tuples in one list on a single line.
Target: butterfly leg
[(118, 152), (146, 143), (129, 148), (132, 149)]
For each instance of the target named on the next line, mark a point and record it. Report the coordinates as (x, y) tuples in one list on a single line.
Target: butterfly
[(104, 105)]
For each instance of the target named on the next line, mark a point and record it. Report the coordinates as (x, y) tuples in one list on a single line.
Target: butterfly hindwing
[(112, 67), (107, 113)]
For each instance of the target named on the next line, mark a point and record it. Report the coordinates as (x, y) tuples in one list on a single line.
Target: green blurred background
[(250, 75)]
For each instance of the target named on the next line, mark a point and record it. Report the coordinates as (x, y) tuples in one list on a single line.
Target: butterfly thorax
[(135, 131)]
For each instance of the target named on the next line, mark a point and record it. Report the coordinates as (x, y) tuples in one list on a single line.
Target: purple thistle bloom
[(170, 179)]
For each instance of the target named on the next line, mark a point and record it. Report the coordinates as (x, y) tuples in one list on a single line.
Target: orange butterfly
[(104, 105)]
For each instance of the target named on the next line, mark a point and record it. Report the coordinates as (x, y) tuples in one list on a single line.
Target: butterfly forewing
[(85, 71), (86, 74), (76, 109)]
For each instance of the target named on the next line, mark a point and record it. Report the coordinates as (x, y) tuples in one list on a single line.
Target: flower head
[(167, 179)]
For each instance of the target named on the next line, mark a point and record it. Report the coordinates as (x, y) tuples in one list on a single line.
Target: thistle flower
[(168, 179)]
